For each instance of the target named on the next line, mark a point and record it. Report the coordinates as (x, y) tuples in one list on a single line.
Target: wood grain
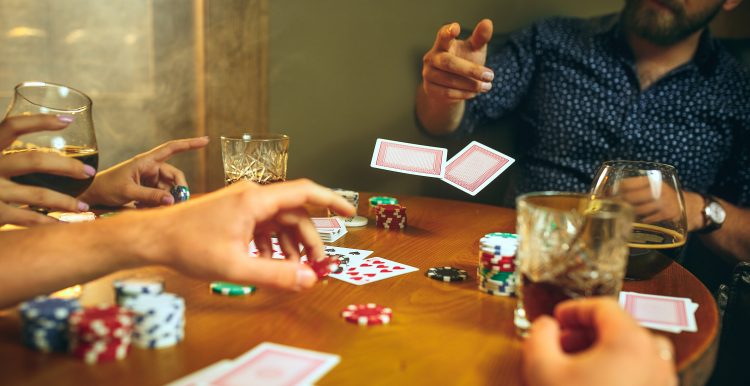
[(441, 333)]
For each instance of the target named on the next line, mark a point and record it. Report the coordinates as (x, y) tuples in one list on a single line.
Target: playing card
[(474, 167), (664, 313), (409, 158), (271, 364), (372, 270), (347, 256), (277, 252), (329, 229), (203, 376)]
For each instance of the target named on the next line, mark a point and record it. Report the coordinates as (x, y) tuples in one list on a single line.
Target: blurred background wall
[(332, 74)]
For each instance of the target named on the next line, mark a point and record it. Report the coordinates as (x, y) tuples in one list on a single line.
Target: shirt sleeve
[(733, 182), (513, 65)]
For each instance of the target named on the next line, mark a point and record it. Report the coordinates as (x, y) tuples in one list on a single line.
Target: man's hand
[(145, 178), (453, 70), (592, 342), (209, 237), (16, 164)]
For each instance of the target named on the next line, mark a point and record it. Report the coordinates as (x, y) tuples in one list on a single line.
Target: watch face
[(716, 212)]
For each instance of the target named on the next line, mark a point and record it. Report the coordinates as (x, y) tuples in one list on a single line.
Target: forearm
[(733, 238), (47, 258), (438, 117)]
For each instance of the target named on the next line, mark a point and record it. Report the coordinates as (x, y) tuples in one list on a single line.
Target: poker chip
[(356, 221), (159, 320), (108, 214), (496, 270), (369, 314), (180, 193), (231, 289), (101, 334), (73, 217), (325, 266), (447, 274), (390, 216), (381, 200), (131, 287), (45, 323)]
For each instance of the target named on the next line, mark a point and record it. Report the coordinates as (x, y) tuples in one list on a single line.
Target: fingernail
[(305, 278), (167, 200), (82, 206), (65, 118), (486, 86), (89, 170), (488, 75)]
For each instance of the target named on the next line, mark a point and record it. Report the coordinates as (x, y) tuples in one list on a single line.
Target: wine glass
[(77, 140), (660, 225)]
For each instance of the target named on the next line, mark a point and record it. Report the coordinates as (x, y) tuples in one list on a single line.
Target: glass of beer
[(78, 140), (260, 158), (660, 227), (570, 246)]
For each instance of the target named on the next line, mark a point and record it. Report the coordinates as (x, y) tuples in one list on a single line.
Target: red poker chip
[(325, 266), (108, 322), (389, 207), (369, 314), (101, 353)]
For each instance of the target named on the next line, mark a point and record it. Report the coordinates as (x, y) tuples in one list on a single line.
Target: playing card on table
[(347, 256), (409, 158), (329, 229), (664, 313), (275, 246), (203, 376), (372, 270), (271, 364), (474, 167)]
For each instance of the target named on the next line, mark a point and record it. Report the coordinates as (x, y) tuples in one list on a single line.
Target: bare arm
[(732, 240)]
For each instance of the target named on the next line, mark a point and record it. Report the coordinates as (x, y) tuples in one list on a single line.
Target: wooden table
[(441, 333)]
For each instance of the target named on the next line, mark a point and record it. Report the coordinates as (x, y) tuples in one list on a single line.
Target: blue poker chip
[(180, 193), (45, 323)]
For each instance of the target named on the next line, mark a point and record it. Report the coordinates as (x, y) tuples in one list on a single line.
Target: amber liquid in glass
[(652, 249), (63, 184)]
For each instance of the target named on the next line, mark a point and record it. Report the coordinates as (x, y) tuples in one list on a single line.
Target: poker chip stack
[(381, 200), (100, 334), (496, 271), (159, 319), (368, 314), (45, 323), (133, 287), (353, 198), (390, 216)]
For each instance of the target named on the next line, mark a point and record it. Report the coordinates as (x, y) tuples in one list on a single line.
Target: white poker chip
[(73, 216), (357, 221)]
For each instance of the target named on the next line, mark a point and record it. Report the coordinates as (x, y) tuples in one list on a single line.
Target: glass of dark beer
[(570, 246), (260, 158), (78, 140), (660, 225)]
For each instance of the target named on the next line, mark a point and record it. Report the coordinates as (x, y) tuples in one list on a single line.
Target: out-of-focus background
[(332, 74)]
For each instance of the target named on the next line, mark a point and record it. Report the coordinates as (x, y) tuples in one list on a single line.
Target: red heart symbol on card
[(365, 265), (370, 274), (356, 278), (397, 267), (352, 268), (378, 262), (382, 266), (352, 273), (385, 271)]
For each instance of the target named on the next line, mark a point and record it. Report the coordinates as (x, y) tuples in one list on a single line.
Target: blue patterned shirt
[(574, 82)]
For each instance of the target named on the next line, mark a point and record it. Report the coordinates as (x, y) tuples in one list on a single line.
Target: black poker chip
[(447, 274)]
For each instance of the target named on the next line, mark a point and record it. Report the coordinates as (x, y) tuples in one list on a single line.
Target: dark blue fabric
[(574, 83)]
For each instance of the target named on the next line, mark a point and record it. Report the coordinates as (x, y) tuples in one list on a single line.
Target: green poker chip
[(383, 200), (231, 289), (108, 214), (502, 235)]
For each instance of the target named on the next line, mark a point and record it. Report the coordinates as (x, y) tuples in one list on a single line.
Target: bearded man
[(647, 84)]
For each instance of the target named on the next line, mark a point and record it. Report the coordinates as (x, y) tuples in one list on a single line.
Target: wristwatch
[(713, 214)]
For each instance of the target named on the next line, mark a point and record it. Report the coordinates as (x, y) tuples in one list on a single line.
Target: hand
[(209, 237), (20, 163), (651, 203), (145, 178), (593, 342), (453, 70)]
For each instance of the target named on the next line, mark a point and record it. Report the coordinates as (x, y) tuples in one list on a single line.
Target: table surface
[(441, 333)]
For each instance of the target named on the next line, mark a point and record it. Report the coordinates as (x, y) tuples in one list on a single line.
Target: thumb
[(482, 34), (542, 347), (149, 196)]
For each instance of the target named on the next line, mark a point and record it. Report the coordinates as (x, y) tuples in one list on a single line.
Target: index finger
[(16, 126), (445, 36), (295, 194), (166, 150)]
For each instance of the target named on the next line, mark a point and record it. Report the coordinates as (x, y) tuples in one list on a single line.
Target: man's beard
[(665, 28)]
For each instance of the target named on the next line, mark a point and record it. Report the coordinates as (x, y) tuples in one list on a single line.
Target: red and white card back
[(474, 167), (409, 158)]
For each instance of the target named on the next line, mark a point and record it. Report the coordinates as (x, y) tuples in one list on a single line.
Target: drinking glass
[(260, 158), (77, 140), (660, 225), (570, 246)]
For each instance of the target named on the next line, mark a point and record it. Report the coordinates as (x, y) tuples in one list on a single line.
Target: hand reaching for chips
[(145, 178), (13, 194)]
